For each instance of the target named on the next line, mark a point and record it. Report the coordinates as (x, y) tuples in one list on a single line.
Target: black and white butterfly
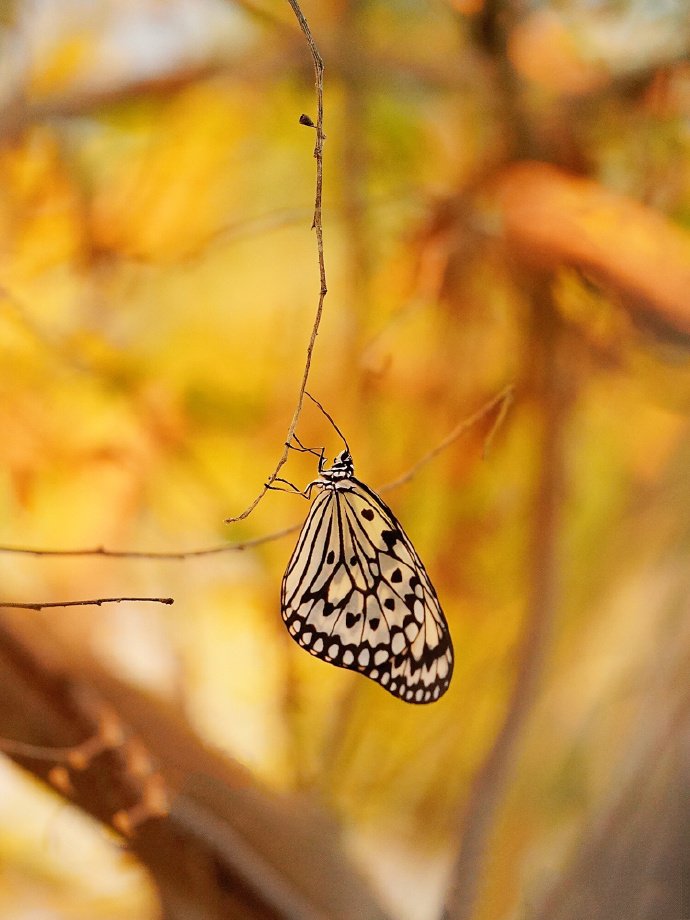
[(356, 594)]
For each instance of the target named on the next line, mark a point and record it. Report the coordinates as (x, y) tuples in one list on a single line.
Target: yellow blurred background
[(506, 200)]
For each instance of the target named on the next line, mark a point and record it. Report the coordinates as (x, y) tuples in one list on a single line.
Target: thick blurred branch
[(227, 849)]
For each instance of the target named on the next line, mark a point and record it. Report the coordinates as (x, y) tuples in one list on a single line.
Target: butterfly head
[(342, 468)]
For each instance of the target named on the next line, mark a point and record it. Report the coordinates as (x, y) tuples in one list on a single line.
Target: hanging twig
[(317, 226)]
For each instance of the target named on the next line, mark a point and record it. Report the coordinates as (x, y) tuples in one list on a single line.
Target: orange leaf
[(553, 218)]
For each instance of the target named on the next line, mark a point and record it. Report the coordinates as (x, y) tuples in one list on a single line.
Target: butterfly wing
[(357, 595)]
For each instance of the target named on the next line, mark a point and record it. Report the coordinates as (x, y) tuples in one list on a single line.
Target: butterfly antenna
[(329, 417)]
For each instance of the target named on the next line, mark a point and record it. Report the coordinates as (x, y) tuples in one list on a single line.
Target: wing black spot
[(389, 603), (396, 576), (368, 514), (389, 537)]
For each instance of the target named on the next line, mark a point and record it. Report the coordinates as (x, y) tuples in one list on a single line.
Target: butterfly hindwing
[(356, 594)]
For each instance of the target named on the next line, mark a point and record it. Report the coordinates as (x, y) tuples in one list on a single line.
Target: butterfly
[(356, 594)]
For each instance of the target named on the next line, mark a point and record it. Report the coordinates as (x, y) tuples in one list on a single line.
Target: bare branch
[(317, 226), (133, 554), (97, 602)]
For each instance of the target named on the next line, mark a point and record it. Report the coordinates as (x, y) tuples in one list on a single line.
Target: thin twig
[(503, 399), (506, 399), (133, 554), (97, 602), (317, 226)]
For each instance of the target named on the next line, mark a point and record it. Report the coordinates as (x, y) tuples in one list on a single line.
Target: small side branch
[(502, 400)]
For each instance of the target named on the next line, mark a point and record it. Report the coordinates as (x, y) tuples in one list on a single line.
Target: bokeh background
[(506, 200)]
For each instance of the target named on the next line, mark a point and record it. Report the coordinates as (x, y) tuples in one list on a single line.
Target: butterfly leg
[(319, 452), (292, 488)]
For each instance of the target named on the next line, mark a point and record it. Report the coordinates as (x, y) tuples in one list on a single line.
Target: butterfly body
[(356, 594)]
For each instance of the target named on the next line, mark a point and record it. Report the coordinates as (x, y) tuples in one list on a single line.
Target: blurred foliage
[(158, 282)]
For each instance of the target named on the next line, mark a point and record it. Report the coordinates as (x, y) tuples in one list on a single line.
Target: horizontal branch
[(97, 602), (133, 554)]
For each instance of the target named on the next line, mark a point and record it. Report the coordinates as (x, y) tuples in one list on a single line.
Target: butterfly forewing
[(357, 595)]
